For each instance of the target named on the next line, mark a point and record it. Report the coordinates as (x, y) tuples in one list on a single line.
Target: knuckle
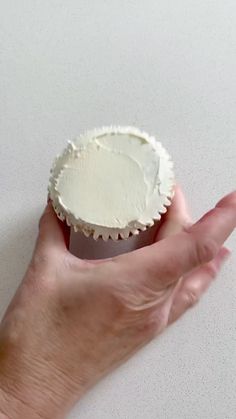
[(191, 298), (211, 270), (205, 250), (136, 298), (145, 318), (160, 321)]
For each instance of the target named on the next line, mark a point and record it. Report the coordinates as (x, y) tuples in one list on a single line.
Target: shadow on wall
[(16, 247)]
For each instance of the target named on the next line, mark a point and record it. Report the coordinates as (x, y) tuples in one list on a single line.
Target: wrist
[(25, 394), (12, 408), (33, 382), (30, 387), (33, 388)]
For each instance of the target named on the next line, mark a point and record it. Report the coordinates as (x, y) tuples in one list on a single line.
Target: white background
[(168, 66)]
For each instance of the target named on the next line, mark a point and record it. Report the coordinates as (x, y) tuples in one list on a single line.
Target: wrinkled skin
[(72, 321)]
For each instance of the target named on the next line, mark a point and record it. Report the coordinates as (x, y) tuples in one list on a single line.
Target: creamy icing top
[(110, 181)]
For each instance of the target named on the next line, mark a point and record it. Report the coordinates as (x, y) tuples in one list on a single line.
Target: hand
[(72, 321)]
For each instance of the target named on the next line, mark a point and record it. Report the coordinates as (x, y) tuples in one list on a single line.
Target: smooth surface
[(169, 68)]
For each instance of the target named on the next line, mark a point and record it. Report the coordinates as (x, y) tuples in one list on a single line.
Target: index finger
[(174, 256)]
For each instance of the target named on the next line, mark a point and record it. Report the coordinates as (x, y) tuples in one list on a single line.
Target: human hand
[(72, 321)]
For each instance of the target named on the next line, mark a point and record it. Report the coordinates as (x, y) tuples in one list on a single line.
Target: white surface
[(168, 67), (123, 172)]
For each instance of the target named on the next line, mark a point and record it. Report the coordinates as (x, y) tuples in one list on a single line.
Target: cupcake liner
[(161, 190), (90, 249)]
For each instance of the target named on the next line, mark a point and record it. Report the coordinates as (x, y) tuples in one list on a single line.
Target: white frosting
[(111, 182)]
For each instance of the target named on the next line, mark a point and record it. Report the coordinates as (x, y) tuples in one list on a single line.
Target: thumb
[(52, 231)]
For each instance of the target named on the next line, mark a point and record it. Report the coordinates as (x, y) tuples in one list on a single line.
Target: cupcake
[(112, 183)]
